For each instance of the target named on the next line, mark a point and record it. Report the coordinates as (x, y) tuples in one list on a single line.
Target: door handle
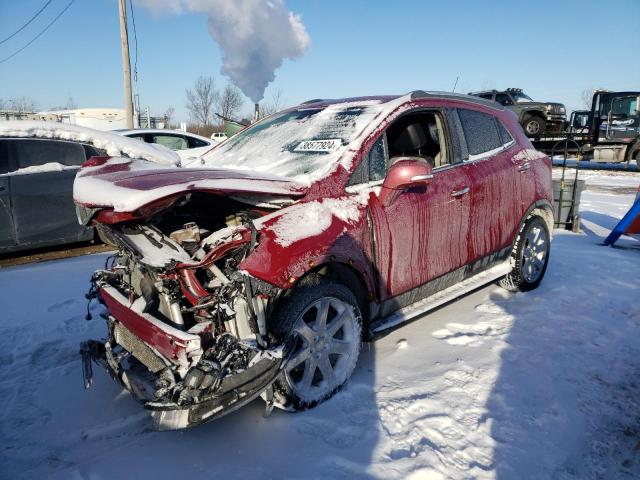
[(526, 166), (461, 192)]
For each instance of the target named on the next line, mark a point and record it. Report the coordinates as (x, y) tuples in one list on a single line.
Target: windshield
[(520, 97), (301, 144)]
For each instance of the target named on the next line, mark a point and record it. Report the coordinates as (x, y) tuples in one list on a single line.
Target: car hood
[(127, 185)]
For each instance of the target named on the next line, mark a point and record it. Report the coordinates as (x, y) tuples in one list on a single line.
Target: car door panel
[(422, 233), (496, 204), (42, 198), (7, 231), (43, 207)]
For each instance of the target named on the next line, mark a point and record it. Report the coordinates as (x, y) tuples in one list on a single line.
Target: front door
[(7, 232), (421, 233), (42, 191)]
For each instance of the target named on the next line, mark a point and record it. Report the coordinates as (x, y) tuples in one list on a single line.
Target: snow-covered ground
[(496, 385)]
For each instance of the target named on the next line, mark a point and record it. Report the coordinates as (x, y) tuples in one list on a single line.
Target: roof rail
[(315, 100), (418, 94)]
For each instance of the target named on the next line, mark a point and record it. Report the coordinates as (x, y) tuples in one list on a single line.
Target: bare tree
[(22, 104), (272, 106), (168, 115), (71, 104), (201, 100), (587, 97), (230, 101)]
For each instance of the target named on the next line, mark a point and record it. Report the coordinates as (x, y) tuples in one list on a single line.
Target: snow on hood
[(115, 145), (310, 219), (126, 185)]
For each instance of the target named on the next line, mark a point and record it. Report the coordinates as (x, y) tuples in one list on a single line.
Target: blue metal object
[(624, 224)]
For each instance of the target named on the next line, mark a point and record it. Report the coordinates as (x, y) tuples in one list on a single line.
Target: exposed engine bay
[(187, 329)]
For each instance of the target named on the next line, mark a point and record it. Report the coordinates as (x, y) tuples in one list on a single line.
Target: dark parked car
[(536, 118), (37, 169), (315, 228)]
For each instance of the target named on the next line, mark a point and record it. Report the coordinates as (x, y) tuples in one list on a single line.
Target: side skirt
[(440, 291)]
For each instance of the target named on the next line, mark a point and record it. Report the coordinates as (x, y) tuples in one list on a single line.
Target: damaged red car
[(326, 224)]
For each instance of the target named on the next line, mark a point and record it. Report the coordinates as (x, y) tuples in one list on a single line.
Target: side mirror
[(404, 173)]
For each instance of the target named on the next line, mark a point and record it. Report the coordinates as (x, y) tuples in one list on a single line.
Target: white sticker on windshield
[(328, 145)]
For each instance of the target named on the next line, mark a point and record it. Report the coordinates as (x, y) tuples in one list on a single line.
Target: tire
[(530, 256), (319, 361), (633, 152), (534, 126)]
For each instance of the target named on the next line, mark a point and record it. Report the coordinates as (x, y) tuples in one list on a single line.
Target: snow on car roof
[(115, 145), (128, 131)]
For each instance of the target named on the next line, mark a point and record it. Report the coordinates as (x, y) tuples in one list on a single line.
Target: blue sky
[(552, 49)]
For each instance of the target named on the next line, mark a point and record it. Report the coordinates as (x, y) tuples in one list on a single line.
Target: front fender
[(306, 236)]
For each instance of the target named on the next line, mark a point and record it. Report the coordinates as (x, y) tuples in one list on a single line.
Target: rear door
[(7, 231), (41, 191), (496, 197)]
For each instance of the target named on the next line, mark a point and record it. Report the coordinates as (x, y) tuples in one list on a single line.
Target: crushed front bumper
[(164, 368)]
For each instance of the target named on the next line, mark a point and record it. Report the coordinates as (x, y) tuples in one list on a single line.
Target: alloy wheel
[(327, 343), (534, 254)]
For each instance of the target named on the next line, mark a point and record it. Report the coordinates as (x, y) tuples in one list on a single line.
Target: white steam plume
[(255, 37)]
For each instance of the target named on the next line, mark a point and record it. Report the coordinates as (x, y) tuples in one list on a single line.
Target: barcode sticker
[(328, 145)]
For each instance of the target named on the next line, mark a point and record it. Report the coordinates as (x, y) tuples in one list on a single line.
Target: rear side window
[(504, 99), (174, 142), (196, 142), (91, 151), (33, 152), (505, 136), (479, 131)]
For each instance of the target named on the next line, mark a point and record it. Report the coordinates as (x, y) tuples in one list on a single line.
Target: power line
[(26, 24), (135, 39), (40, 34)]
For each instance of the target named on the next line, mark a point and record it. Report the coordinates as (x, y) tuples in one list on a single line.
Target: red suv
[(312, 230)]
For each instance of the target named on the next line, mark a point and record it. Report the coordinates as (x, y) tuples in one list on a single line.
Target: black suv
[(536, 118)]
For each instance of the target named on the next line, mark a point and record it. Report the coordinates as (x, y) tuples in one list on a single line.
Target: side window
[(487, 96), (479, 131), (174, 142), (34, 152), (505, 136), (420, 134), (137, 137), (377, 160), (4, 156), (373, 166), (504, 99), (196, 142), (91, 151)]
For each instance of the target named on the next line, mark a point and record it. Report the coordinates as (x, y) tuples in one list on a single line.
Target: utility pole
[(126, 63)]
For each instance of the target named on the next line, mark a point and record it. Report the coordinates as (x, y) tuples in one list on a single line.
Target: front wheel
[(530, 257), (534, 126), (322, 324)]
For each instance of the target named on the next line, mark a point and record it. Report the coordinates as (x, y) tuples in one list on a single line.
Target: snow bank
[(115, 145)]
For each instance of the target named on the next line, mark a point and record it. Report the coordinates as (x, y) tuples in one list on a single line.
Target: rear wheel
[(322, 325), (530, 256), (534, 126)]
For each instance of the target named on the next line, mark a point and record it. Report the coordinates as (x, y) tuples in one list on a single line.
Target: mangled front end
[(186, 327)]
